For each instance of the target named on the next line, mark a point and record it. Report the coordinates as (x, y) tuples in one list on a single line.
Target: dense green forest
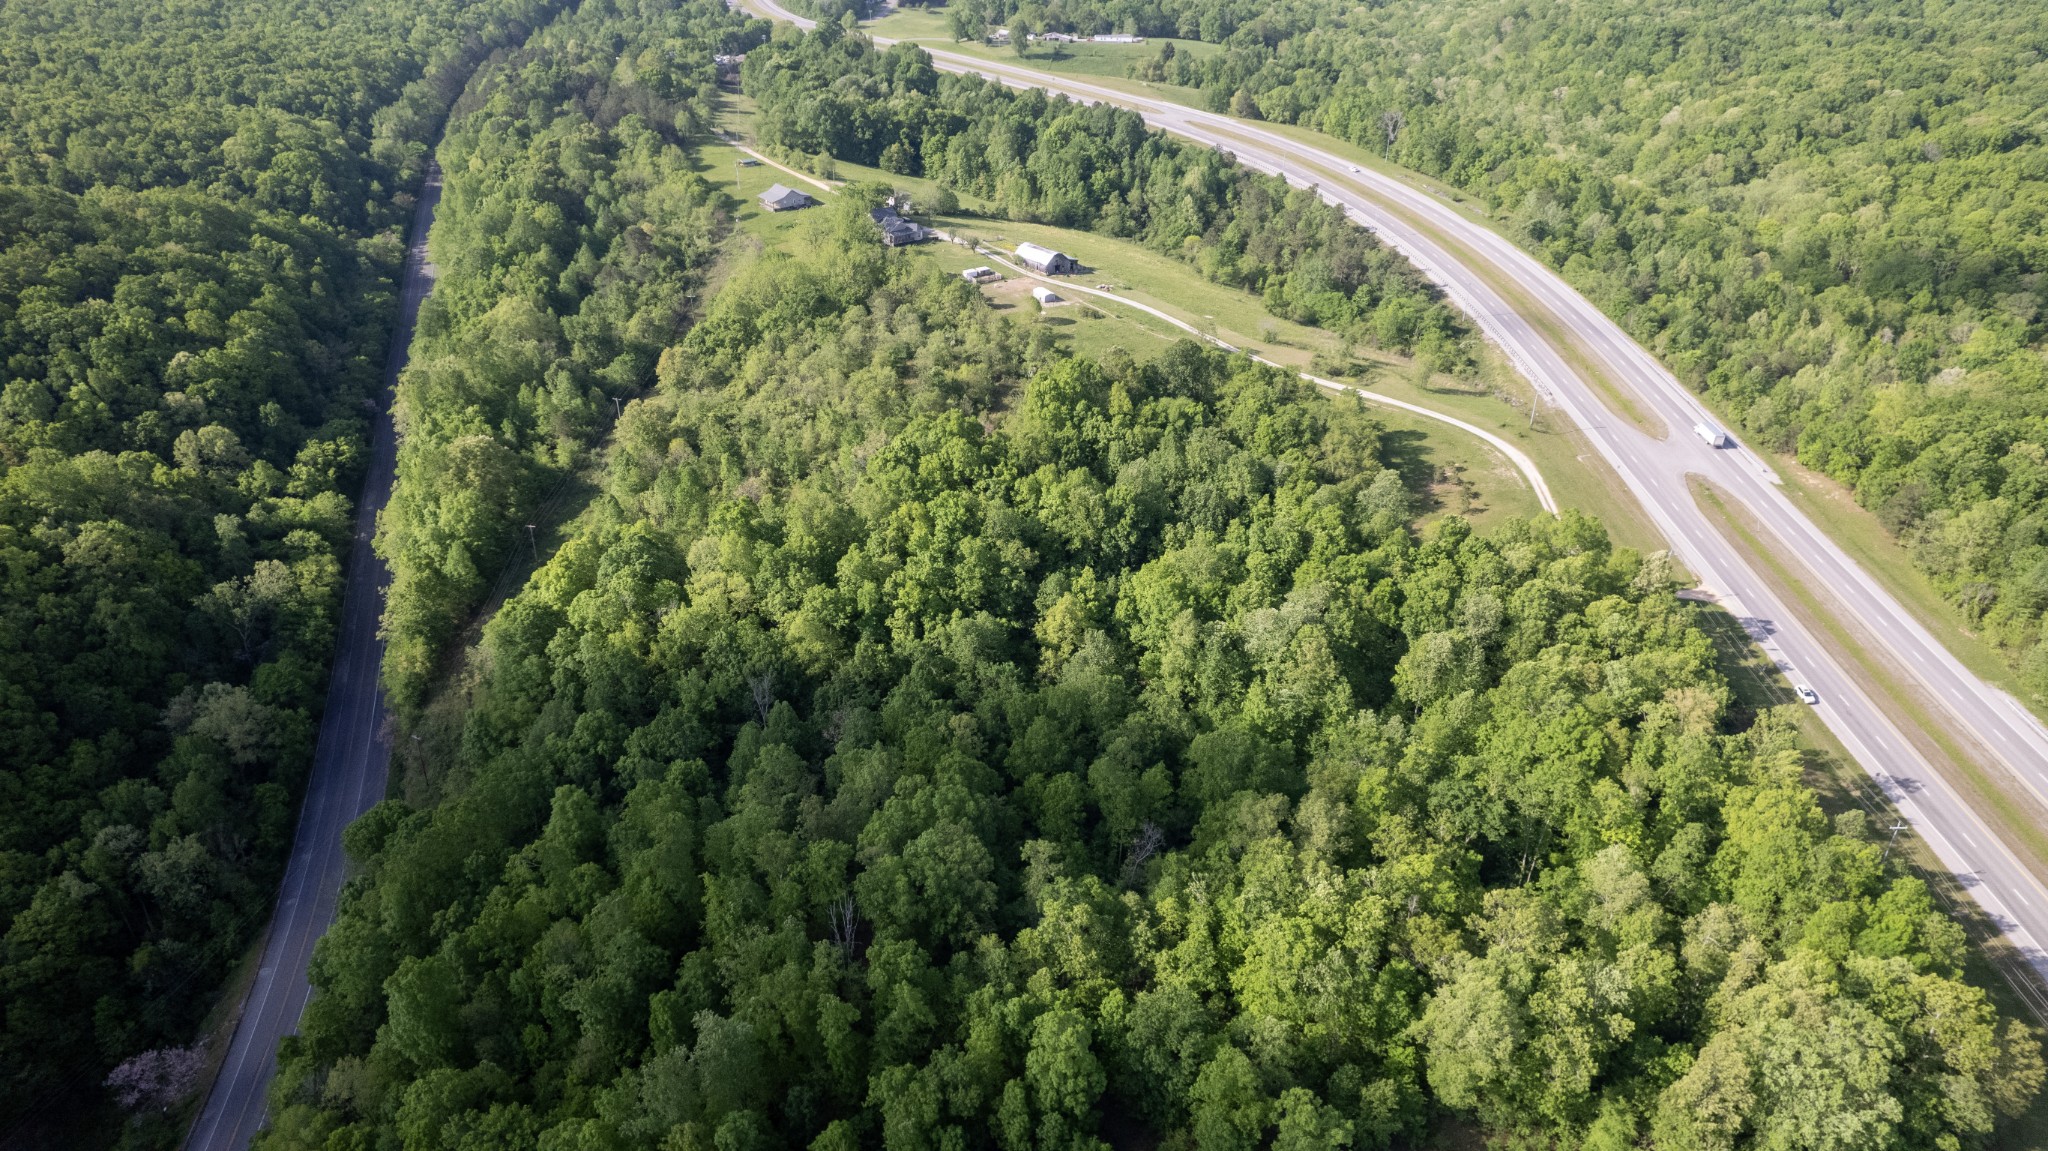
[(200, 213), (571, 235), (930, 739), (1832, 219), (1098, 167)]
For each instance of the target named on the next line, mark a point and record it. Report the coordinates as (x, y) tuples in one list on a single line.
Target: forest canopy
[(573, 232), (929, 737), (201, 208), (933, 739)]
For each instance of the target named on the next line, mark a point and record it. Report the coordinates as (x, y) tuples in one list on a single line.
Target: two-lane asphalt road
[(1467, 260), (349, 768)]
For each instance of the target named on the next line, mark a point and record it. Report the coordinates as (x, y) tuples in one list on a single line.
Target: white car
[(1806, 694), (1356, 168)]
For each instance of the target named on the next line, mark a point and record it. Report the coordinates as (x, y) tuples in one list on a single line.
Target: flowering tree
[(159, 1079)]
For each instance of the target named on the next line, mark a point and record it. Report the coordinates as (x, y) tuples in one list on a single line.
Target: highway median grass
[(1833, 506), (1991, 793)]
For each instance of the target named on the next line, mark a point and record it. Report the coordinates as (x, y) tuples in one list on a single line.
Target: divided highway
[(349, 768), (1467, 259)]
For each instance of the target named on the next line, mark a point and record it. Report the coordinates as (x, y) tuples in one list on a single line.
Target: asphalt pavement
[(350, 765), (1463, 256)]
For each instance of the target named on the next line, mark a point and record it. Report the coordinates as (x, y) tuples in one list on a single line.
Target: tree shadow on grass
[(1411, 455)]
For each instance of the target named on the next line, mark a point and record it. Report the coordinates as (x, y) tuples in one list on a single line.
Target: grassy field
[(1085, 58), (1463, 475), (1578, 477), (911, 24)]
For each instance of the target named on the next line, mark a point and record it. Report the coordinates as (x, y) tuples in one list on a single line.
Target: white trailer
[(1715, 437)]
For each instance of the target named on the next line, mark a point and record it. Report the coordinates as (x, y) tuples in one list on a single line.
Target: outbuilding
[(1045, 261), (780, 199), (1045, 295), (980, 274)]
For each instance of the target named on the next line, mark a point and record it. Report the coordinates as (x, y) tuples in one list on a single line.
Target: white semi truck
[(1715, 437)]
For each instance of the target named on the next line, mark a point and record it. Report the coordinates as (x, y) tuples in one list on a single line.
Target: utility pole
[(532, 543), (1897, 827)]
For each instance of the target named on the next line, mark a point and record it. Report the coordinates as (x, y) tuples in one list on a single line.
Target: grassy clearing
[(911, 24), (1106, 64), (2014, 817), (1163, 282), (1462, 474), (1085, 58), (1578, 476), (1617, 398)]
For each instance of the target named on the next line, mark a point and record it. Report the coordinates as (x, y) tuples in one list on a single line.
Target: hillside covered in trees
[(1832, 219), (200, 214), (572, 233), (931, 739)]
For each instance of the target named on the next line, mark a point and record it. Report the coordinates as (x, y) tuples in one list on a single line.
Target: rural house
[(897, 231), (780, 199)]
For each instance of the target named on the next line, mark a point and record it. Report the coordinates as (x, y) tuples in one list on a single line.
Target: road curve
[(1514, 455), (349, 767), (1466, 258)]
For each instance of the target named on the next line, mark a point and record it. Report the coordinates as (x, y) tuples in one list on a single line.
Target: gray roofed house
[(897, 231), (780, 199)]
